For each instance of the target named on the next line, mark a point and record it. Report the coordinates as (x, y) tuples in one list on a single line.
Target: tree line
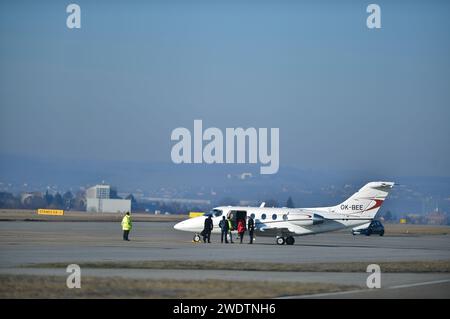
[(66, 201), (69, 201)]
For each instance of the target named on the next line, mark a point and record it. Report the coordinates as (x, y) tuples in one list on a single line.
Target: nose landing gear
[(196, 238)]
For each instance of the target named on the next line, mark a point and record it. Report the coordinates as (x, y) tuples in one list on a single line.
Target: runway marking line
[(420, 284), (366, 290), (325, 294)]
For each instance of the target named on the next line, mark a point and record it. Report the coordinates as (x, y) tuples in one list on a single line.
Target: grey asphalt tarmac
[(39, 242), (42, 242)]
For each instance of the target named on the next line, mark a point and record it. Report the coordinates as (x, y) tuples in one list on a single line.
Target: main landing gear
[(288, 240)]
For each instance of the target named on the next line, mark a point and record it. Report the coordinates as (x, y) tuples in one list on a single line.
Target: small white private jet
[(285, 223)]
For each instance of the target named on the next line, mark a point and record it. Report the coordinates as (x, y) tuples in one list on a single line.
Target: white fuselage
[(280, 221), (357, 210)]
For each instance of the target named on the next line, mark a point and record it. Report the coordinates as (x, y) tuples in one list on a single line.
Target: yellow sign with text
[(195, 214), (54, 212)]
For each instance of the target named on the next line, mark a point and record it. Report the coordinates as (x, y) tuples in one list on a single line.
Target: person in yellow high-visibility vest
[(230, 228), (126, 225)]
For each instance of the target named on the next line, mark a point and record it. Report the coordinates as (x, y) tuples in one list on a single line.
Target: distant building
[(245, 176), (98, 200), (415, 219), (436, 218), (99, 191)]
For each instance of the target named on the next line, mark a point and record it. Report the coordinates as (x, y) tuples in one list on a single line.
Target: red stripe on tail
[(378, 203)]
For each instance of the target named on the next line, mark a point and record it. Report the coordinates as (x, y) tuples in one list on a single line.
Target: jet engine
[(306, 219)]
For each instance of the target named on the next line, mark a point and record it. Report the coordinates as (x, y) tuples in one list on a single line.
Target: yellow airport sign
[(54, 212), (403, 221), (195, 214)]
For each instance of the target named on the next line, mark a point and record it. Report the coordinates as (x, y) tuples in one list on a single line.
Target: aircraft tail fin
[(367, 201)]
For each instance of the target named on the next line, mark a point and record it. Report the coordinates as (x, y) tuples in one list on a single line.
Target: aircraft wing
[(284, 230)]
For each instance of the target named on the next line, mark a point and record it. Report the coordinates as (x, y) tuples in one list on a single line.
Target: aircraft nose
[(179, 226), (193, 224)]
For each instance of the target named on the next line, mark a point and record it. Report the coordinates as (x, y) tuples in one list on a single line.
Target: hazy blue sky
[(343, 96)]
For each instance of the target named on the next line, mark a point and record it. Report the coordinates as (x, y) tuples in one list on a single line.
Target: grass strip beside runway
[(31, 286), (441, 266)]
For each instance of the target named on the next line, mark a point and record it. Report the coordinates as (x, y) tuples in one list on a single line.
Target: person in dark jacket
[(224, 227), (207, 229), (251, 228)]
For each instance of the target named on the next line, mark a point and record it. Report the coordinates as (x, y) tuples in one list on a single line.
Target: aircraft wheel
[(280, 240), (196, 238), (290, 240)]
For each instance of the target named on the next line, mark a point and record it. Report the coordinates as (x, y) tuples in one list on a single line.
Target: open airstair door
[(236, 215)]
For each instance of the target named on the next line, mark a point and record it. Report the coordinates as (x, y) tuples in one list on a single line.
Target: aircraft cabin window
[(263, 216), (274, 216), (252, 216)]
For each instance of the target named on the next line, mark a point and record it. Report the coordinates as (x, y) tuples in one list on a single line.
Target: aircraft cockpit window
[(274, 216), (214, 213), (263, 216), (217, 212)]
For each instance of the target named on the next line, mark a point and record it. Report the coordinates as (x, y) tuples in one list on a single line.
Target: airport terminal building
[(98, 200)]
